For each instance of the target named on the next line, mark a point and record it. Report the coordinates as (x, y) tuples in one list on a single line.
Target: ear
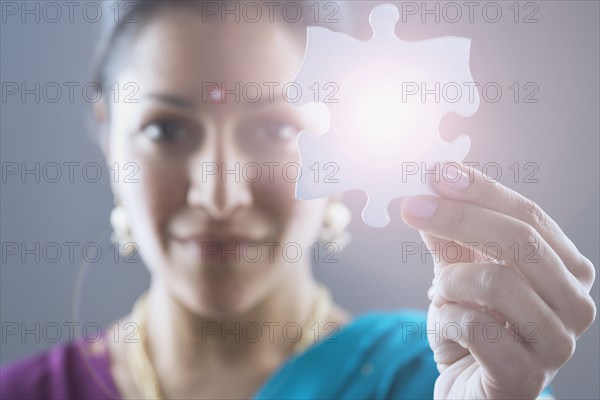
[(101, 120)]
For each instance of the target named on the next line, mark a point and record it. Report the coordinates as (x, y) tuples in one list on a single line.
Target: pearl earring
[(119, 220), (337, 218)]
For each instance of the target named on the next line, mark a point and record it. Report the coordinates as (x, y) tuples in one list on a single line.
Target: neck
[(183, 345)]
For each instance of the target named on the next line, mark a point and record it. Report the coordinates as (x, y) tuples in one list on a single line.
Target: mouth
[(230, 249)]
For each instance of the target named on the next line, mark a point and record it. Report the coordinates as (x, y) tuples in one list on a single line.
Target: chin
[(220, 295)]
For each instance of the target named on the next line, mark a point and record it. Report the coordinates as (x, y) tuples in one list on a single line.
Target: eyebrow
[(173, 100), (181, 102)]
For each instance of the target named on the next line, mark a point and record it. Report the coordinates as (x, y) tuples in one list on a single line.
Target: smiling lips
[(218, 249)]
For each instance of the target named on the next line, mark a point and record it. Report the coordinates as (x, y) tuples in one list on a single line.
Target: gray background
[(560, 134)]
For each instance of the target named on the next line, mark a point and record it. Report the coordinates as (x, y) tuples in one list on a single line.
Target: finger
[(494, 233), (445, 252), (503, 294), (474, 187), (437, 247), (501, 359), (445, 352)]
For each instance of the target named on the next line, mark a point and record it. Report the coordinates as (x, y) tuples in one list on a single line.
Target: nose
[(216, 182)]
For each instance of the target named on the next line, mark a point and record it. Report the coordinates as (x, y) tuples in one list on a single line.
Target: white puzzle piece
[(380, 126)]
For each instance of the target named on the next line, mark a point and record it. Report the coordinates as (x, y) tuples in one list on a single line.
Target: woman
[(193, 334)]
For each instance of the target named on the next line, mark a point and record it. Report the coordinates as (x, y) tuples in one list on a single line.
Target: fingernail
[(454, 179), (420, 207)]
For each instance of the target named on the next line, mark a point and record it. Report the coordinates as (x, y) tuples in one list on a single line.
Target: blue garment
[(378, 355)]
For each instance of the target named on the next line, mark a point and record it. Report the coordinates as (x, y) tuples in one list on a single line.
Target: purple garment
[(397, 368), (75, 370), (379, 355)]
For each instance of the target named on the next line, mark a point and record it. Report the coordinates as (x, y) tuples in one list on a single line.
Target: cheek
[(158, 191), (308, 219), (300, 220), (278, 176), (275, 194), (303, 220)]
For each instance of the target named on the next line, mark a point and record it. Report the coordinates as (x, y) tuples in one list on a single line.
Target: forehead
[(178, 51)]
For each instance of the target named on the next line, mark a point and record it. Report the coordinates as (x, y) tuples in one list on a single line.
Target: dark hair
[(122, 18)]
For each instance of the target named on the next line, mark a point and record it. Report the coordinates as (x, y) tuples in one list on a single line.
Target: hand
[(511, 292)]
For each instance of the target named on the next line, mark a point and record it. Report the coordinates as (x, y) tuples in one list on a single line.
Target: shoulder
[(380, 354), (398, 353), (395, 342), (394, 360), (401, 334), (74, 370), (384, 331), (385, 327)]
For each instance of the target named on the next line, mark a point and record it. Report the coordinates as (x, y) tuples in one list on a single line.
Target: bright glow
[(385, 126), (388, 111)]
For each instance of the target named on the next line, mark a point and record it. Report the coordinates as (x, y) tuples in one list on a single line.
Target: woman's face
[(212, 175)]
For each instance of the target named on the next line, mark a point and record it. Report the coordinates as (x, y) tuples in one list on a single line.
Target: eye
[(166, 131), (277, 132)]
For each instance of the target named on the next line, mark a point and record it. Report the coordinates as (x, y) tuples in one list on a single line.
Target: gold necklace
[(142, 371)]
